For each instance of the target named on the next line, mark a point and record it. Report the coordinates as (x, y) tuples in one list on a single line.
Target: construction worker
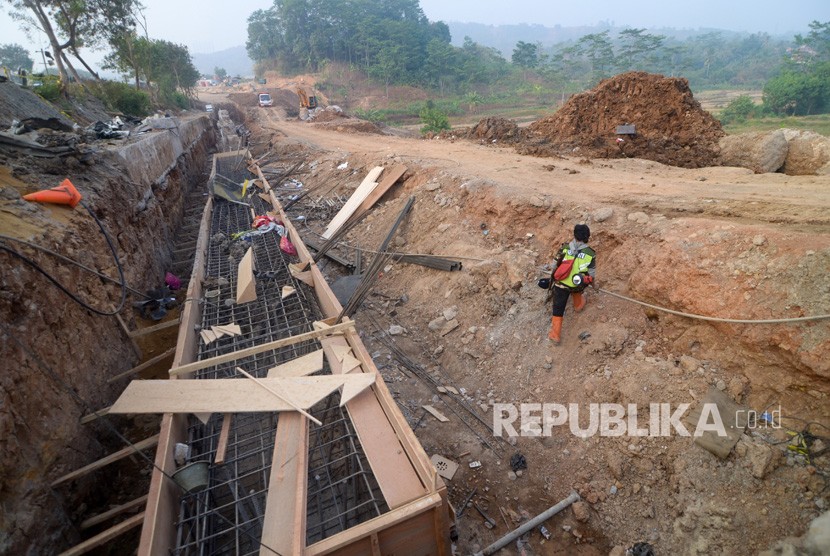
[(580, 262)]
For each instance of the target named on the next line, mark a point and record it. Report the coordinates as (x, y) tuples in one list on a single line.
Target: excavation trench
[(62, 363)]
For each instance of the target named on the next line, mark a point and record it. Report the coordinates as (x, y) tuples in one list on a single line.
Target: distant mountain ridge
[(234, 60), (505, 37)]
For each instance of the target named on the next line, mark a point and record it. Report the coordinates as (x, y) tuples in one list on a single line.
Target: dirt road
[(638, 185)]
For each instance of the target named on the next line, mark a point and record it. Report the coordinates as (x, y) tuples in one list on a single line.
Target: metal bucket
[(193, 477)]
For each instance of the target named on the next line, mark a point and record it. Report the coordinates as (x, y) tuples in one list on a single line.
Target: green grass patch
[(820, 124)]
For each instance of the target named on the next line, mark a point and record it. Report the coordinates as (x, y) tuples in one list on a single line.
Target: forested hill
[(504, 37)]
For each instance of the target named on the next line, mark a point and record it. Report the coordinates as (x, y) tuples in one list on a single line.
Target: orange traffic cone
[(64, 194)]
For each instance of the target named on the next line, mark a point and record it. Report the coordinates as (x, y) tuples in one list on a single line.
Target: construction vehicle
[(307, 102)]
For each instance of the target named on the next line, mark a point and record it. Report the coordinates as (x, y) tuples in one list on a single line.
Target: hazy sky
[(207, 26)]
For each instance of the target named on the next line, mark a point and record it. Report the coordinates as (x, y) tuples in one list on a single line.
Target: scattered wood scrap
[(360, 194), (301, 366), (445, 467), (435, 413)]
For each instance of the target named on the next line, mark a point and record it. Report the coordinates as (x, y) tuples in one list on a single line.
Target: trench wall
[(51, 345)]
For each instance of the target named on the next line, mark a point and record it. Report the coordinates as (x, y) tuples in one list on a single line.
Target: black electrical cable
[(46, 369), (64, 289), (72, 262)]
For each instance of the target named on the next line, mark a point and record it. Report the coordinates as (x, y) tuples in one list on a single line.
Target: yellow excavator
[(307, 102)]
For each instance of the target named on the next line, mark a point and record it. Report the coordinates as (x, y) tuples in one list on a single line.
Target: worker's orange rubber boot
[(555, 329), (579, 301)]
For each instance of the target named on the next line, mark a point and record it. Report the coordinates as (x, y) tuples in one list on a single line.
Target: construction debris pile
[(670, 125)]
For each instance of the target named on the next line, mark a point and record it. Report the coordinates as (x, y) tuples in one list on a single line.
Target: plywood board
[(301, 366), (246, 283), (360, 194), (232, 395), (341, 351), (287, 290)]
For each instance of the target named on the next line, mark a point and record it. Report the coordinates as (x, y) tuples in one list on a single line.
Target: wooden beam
[(284, 525), (111, 513), (120, 454), (146, 365), (105, 536), (222, 446), (291, 340), (152, 329), (93, 416)]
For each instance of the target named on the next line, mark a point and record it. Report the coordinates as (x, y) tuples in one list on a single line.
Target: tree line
[(161, 68), (393, 42)]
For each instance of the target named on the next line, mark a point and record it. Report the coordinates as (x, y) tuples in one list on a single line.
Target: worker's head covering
[(582, 233)]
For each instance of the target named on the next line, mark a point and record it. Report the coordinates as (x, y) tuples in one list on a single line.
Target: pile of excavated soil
[(350, 125), (496, 129), (671, 127)]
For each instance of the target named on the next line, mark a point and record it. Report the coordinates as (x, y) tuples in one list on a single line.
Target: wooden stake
[(109, 514), (146, 365), (105, 536), (279, 396), (120, 454)]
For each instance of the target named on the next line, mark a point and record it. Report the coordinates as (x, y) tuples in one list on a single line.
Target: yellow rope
[(716, 319)]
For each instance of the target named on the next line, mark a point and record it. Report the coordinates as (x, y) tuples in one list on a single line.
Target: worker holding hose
[(574, 270)]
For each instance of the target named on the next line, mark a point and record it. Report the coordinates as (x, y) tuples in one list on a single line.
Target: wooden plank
[(389, 179), (291, 340), (146, 365), (284, 525), (395, 475), (360, 194), (381, 523), (153, 329), (103, 462), (105, 536), (246, 283), (111, 513), (301, 366), (232, 395), (222, 446), (435, 413)]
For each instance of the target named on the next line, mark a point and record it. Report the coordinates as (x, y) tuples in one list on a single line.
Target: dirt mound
[(329, 114), (671, 127), (495, 129), (350, 125), (761, 152)]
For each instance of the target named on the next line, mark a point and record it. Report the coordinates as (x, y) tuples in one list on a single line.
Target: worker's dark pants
[(560, 299)]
